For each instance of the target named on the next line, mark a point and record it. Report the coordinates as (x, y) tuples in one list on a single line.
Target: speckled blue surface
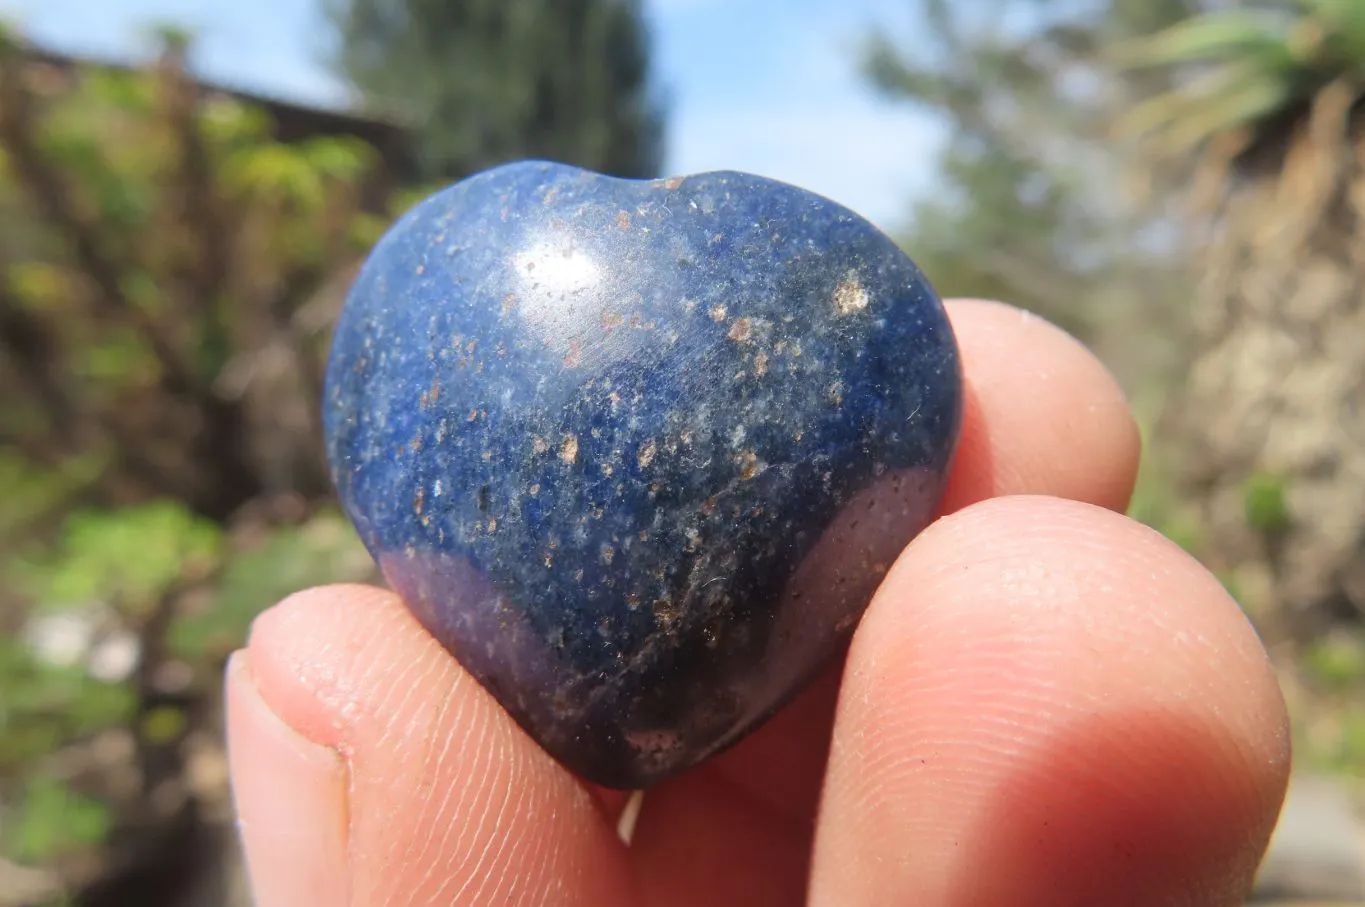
[(638, 453)]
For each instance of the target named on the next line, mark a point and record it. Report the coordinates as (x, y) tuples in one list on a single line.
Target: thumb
[(369, 769)]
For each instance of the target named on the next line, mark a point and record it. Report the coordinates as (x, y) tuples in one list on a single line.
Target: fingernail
[(290, 795)]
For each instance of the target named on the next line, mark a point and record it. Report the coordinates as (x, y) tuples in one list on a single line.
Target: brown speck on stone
[(717, 313), (740, 330), (550, 195), (623, 220), (608, 554), (612, 320), (568, 449), (509, 302), (534, 490), (708, 506), (575, 354), (416, 443), (672, 182), (749, 465), (419, 501), (492, 525), (647, 454), (665, 613), (473, 414), (486, 456), (421, 269), (561, 706), (761, 364), (539, 445), (850, 295)]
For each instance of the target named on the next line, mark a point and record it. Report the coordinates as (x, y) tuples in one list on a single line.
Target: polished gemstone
[(639, 452)]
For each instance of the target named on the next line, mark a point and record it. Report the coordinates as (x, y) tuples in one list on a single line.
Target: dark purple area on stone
[(638, 453)]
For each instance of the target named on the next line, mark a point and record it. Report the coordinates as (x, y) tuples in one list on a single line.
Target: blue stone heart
[(639, 453)]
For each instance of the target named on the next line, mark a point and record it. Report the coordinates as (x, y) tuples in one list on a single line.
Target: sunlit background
[(768, 86), (187, 187)]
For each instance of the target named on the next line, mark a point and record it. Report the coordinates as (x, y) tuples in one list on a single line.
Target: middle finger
[(1043, 416)]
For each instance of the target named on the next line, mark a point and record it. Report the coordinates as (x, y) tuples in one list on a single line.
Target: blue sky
[(768, 86)]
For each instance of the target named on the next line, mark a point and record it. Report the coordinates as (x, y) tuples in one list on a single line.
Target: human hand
[(1045, 704)]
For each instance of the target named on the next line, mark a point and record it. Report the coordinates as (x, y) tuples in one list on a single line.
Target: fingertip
[(303, 649), (290, 796), (1052, 690), (448, 800), (1042, 415)]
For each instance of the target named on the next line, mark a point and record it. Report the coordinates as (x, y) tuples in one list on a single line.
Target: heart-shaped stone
[(638, 453)]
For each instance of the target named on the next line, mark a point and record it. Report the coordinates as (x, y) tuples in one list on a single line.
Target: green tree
[(487, 81), (168, 269), (1180, 182), (1260, 112), (1029, 204)]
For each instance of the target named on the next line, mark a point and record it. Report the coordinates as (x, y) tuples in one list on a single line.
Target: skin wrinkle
[(437, 758), (446, 811), (936, 639), (475, 880)]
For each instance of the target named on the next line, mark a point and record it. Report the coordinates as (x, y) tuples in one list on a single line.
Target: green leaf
[(1337, 661), (1265, 502), (53, 820), (164, 725), (226, 121), (44, 706), (340, 159), (40, 282), (130, 556), (1220, 101), (1237, 34), (275, 171)]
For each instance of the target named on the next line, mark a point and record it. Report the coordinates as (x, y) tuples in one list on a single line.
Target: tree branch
[(202, 207), (45, 186)]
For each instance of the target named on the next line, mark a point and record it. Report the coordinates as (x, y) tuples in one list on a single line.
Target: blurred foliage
[(171, 260), (52, 820), (325, 549), (45, 704), (1177, 182), (130, 557), (170, 269), (488, 81), (1267, 510)]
